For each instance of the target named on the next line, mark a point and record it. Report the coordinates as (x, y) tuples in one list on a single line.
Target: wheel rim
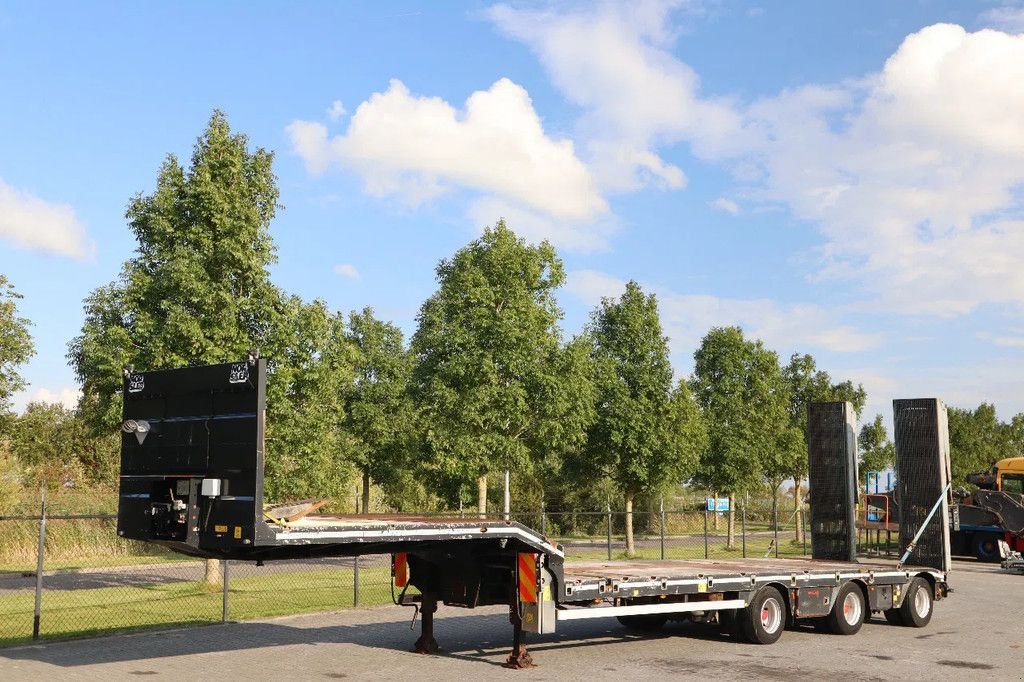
[(922, 604), (852, 608), (771, 615)]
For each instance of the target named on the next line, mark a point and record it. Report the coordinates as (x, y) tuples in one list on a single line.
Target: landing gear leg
[(426, 644), (518, 659)]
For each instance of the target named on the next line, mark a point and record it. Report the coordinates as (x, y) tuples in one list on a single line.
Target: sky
[(839, 179)]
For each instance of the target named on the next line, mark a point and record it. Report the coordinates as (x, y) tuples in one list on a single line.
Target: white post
[(508, 496)]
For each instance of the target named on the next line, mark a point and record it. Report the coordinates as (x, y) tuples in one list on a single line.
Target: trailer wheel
[(916, 610), (847, 614), (648, 622), (763, 621)]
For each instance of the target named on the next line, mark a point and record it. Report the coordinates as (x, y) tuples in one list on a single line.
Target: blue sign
[(720, 504)]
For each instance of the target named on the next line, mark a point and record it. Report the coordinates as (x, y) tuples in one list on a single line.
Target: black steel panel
[(832, 478), (181, 426), (922, 472)]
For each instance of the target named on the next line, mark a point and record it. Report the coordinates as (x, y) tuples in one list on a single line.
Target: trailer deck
[(192, 460)]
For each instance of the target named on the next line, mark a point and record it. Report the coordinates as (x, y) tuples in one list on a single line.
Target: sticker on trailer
[(136, 383), (528, 577), (400, 568), (239, 373)]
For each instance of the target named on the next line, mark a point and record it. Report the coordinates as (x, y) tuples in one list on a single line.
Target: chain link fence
[(86, 580), (128, 585)]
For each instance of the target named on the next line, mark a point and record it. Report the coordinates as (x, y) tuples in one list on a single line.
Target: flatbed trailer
[(192, 480)]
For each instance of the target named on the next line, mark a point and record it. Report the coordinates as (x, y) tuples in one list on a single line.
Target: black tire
[(848, 611), (648, 622), (916, 610), (893, 616), (986, 547), (763, 621)]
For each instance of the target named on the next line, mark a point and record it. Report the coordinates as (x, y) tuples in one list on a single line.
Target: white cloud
[(615, 63), (1009, 18), (32, 223), (336, 110), (687, 317), (914, 174), (1002, 340), (418, 148), (726, 205), (68, 397), (346, 270)]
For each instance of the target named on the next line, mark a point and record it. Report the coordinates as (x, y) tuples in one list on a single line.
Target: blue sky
[(843, 179)]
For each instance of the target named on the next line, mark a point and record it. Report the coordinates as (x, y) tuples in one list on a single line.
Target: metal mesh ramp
[(922, 472), (832, 477)]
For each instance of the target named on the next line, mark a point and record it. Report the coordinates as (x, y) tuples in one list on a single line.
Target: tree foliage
[(739, 385), (977, 440), (197, 290), (644, 434), (877, 452), (16, 349), (638, 435), (494, 386), (53, 444), (379, 416)]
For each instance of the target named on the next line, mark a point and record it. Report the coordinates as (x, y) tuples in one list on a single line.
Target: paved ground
[(976, 633)]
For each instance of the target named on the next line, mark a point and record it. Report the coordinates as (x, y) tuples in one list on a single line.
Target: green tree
[(1016, 435), (644, 435), (807, 384), (55, 445), (379, 414), (490, 375), (197, 290), (977, 440), (739, 386), (15, 350), (877, 452)]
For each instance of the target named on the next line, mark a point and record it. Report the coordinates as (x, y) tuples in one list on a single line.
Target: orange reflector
[(400, 569), (528, 577)]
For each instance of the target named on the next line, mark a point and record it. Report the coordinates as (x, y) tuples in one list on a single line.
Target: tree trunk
[(797, 505), (366, 492), (214, 576), (730, 539), (714, 514), (481, 494), (630, 547)]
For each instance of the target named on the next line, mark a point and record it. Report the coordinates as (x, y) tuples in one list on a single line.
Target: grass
[(75, 613), (73, 543)]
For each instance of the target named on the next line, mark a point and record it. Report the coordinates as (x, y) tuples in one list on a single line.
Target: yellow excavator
[(993, 512)]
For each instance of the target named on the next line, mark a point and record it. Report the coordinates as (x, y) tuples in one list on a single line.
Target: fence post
[(743, 528), (705, 531), (39, 562), (609, 505), (355, 582), (663, 529), (543, 520), (224, 606)]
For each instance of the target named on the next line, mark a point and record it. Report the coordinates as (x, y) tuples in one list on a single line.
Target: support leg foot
[(426, 644)]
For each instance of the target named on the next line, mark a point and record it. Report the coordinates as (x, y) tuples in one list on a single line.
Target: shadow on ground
[(481, 638)]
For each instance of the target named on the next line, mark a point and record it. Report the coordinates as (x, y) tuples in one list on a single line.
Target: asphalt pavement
[(976, 633)]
